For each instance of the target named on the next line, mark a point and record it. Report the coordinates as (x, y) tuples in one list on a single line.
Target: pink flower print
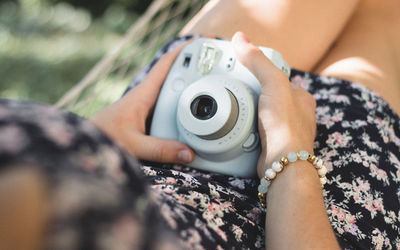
[(337, 139), (341, 215), (14, 137), (377, 239), (334, 210), (353, 229), (88, 163), (350, 218), (58, 132), (170, 181), (362, 185), (221, 234), (339, 99), (325, 117), (356, 157), (207, 215), (378, 205), (168, 189), (237, 231), (148, 171), (370, 105), (168, 215), (381, 174), (238, 183), (215, 209), (367, 141), (302, 82), (394, 161)]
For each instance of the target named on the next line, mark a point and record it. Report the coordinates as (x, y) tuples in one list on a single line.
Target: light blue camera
[(209, 102)]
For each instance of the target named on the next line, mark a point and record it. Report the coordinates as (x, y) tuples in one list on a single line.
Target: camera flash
[(207, 59)]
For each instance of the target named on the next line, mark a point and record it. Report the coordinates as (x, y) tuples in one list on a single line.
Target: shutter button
[(251, 143)]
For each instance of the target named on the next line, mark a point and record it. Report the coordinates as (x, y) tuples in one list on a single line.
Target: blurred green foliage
[(47, 46)]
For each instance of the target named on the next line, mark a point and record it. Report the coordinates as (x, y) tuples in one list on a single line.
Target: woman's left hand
[(124, 121)]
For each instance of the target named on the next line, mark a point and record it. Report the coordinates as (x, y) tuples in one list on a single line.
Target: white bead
[(277, 166), (270, 173), (292, 157), (322, 171), (323, 180), (262, 189), (303, 155), (315, 161), (264, 182), (319, 163)]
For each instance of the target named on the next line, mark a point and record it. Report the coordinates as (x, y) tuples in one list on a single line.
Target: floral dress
[(102, 198)]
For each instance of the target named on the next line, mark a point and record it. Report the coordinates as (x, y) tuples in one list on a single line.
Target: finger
[(143, 97), (152, 84), (161, 150), (253, 58), (147, 92)]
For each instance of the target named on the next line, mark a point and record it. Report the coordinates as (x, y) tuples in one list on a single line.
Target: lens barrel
[(204, 107)]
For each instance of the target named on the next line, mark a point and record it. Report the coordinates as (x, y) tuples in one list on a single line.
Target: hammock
[(106, 81)]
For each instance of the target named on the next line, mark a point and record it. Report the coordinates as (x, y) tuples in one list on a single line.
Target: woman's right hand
[(286, 113)]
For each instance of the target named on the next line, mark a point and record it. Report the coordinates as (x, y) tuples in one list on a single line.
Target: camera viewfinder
[(186, 61)]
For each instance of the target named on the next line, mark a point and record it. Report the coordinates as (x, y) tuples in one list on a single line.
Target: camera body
[(209, 102)]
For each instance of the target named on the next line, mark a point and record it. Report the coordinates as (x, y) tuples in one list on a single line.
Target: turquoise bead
[(262, 189), (303, 155), (292, 157), (264, 182)]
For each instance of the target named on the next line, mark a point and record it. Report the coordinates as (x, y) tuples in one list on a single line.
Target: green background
[(47, 46)]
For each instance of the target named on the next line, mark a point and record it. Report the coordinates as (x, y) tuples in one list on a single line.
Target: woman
[(94, 204)]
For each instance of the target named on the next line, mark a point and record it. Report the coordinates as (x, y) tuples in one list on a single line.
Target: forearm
[(296, 216)]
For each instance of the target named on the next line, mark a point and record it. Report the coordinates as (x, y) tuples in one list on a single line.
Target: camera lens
[(203, 107)]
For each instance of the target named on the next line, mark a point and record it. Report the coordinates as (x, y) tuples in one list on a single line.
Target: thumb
[(269, 76), (162, 150)]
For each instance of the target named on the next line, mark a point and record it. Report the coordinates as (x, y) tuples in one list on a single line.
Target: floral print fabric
[(101, 198), (358, 137)]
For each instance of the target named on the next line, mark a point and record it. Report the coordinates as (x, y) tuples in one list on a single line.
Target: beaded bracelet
[(277, 167)]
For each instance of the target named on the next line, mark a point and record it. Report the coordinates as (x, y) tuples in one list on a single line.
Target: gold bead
[(311, 158), (262, 198), (268, 179), (284, 161)]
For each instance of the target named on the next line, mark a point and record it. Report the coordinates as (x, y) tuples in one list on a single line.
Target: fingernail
[(185, 156), (240, 37)]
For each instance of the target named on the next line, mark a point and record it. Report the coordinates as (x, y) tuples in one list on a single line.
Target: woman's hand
[(286, 122), (124, 120), (286, 113)]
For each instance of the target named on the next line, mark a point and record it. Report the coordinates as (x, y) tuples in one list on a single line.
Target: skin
[(296, 217), (356, 40), (23, 209), (346, 39), (125, 120)]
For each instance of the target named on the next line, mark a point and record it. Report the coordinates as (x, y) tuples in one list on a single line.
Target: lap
[(368, 50)]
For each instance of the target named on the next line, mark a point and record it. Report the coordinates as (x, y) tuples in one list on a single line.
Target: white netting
[(111, 75)]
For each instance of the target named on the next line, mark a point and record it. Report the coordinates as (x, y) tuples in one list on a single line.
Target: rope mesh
[(106, 81)]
